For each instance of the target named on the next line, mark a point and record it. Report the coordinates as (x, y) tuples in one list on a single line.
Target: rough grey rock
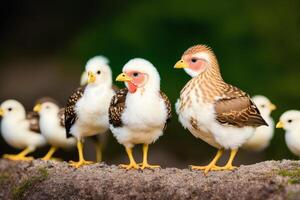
[(56, 180)]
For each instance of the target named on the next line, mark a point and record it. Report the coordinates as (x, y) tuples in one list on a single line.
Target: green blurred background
[(45, 45)]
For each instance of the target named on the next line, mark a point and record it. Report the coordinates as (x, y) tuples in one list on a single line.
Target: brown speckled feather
[(237, 109), (70, 113), (168, 106), (117, 106), (33, 119), (61, 116)]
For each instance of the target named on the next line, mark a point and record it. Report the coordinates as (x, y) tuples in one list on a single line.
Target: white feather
[(145, 114), (291, 121), (15, 128), (51, 129), (210, 130), (263, 134)]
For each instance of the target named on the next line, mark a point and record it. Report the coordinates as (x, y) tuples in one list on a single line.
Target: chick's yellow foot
[(228, 167), (129, 166), (147, 166), (17, 157), (207, 168), (80, 163)]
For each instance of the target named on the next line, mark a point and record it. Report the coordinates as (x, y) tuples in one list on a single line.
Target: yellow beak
[(181, 64), (123, 77), (1, 112), (272, 107), (91, 77), (280, 124), (37, 108)]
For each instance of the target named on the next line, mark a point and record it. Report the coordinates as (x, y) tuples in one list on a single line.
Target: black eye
[(263, 106), (98, 72), (290, 121), (135, 74), (194, 60), (47, 107), (9, 109)]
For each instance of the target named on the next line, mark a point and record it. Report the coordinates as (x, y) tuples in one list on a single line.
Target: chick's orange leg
[(132, 164), (212, 165), (229, 165), (50, 153), (81, 161), (20, 156), (145, 164)]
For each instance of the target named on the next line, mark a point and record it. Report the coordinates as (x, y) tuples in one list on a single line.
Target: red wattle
[(131, 87)]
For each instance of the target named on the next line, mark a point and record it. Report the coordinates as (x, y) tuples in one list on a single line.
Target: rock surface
[(56, 180)]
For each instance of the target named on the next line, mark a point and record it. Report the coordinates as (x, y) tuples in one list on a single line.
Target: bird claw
[(17, 157), (227, 167), (147, 166), (130, 166), (206, 168), (80, 163)]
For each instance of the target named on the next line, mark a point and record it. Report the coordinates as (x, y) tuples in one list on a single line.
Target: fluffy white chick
[(19, 130), (52, 127), (86, 113), (84, 75), (139, 113), (263, 134), (290, 122)]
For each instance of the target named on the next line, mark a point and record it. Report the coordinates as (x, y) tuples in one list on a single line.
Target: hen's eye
[(9, 109), (263, 106), (47, 107), (135, 74), (194, 60), (99, 72), (290, 121)]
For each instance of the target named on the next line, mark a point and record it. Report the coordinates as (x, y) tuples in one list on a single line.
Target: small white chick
[(290, 122), (84, 76), (263, 134), (19, 130), (52, 126)]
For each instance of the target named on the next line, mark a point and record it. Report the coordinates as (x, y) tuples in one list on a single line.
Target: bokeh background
[(45, 45)]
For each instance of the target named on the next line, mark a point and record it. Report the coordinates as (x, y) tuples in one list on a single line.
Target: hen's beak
[(37, 108), (280, 124), (91, 77), (181, 64), (1, 112), (272, 107), (123, 77)]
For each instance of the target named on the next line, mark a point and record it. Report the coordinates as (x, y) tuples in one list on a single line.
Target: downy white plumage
[(84, 75), (87, 109), (52, 127), (263, 134), (18, 130), (290, 122), (139, 114)]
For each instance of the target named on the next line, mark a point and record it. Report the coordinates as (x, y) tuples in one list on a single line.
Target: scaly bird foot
[(130, 166), (17, 157), (147, 166), (206, 168), (227, 167), (80, 163)]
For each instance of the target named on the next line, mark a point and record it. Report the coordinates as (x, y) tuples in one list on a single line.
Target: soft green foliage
[(292, 174), (28, 183)]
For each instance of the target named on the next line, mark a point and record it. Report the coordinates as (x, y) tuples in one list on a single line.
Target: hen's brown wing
[(237, 109), (117, 106), (70, 112)]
